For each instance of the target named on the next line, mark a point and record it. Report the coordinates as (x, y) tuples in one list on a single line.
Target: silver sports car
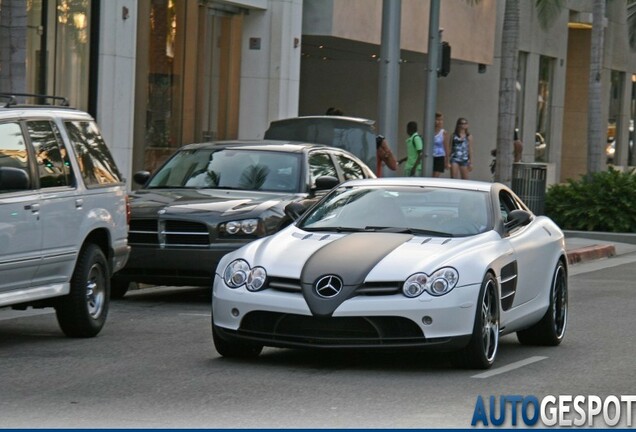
[(398, 263)]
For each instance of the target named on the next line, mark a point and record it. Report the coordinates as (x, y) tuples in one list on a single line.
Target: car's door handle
[(33, 207), (79, 203)]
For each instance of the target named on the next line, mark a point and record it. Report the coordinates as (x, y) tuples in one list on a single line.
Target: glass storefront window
[(631, 153), (614, 115), (544, 102)]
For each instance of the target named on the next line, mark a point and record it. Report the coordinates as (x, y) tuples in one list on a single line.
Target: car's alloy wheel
[(82, 313), (481, 351), (550, 330)]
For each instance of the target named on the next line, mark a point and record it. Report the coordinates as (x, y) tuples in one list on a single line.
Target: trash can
[(529, 183)]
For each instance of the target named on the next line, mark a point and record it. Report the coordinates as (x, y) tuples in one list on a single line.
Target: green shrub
[(604, 201)]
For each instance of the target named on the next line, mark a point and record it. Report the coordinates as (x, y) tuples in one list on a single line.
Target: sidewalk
[(583, 246)]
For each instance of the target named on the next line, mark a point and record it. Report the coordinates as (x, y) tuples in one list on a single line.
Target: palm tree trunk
[(596, 138), (507, 92), (13, 20)]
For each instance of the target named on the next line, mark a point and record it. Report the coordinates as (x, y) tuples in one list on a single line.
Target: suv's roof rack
[(12, 99)]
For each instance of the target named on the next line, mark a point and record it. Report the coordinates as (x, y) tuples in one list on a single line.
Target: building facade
[(158, 74)]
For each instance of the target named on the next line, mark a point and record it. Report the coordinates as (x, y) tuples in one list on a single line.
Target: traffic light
[(444, 59)]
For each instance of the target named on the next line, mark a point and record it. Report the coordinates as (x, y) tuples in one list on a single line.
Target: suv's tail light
[(127, 210)]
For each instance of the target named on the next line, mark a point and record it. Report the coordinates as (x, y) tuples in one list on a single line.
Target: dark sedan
[(212, 198)]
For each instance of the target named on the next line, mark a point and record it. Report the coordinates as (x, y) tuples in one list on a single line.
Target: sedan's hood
[(374, 256), (146, 203)]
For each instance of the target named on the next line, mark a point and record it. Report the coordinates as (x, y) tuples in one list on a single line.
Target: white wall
[(270, 76), (115, 92)]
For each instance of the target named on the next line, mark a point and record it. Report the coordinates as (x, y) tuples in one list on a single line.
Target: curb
[(590, 253)]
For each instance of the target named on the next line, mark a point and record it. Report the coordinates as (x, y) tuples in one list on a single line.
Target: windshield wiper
[(408, 231)]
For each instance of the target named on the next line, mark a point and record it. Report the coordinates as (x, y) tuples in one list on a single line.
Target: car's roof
[(326, 117), (424, 181), (272, 145), (30, 111)]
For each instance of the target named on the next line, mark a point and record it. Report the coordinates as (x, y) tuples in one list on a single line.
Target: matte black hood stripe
[(351, 258)]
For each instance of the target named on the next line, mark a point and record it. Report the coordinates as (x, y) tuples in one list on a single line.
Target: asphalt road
[(154, 365)]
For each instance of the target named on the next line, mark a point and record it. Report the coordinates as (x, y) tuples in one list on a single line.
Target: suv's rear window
[(95, 161)]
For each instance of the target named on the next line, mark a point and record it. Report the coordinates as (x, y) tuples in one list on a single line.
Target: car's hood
[(220, 201), (369, 256)]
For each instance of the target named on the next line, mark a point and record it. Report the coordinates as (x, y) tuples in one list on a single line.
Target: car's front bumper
[(281, 319)]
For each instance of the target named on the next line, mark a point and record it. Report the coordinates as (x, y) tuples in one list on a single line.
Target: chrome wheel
[(95, 291), (560, 302), (490, 322)]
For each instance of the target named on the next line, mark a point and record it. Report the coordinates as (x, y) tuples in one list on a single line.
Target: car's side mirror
[(325, 183), (141, 177), (12, 178), (517, 218), (295, 210)]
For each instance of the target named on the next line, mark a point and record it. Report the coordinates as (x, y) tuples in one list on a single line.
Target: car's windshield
[(245, 169), (434, 211)]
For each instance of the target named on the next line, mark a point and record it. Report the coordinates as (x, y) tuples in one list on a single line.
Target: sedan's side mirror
[(517, 218), (325, 183), (12, 178), (141, 177), (295, 210)]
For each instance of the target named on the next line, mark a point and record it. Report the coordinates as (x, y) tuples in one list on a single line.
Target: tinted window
[(13, 152), (95, 161), (50, 155), (320, 164), (231, 169), (506, 204), (352, 170)]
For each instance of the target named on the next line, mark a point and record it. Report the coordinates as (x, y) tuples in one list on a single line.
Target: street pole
[(431, 88), (389, 77)]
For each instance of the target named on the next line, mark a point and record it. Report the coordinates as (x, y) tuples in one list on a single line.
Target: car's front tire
[(481, 351), (82, 313), (551, 329), (234, 349)]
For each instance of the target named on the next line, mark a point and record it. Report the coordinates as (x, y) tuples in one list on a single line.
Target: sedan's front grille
[(168, 232)]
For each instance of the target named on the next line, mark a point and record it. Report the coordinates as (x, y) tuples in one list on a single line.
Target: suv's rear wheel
[(82, 313)]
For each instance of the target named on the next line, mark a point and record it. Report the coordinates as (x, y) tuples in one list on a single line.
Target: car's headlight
[(246, 226), (238, 273), (437, 284)]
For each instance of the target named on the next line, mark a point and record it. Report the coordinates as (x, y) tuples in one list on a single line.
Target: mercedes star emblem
[(328, 286)]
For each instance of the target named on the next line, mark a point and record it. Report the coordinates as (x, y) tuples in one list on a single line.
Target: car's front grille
[(371, 330), (168, 232), (368, 288)]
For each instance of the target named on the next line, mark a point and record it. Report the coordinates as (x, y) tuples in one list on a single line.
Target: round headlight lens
[(236, 273), (249, 226), (232, 227), (256, 279), (414, 285), (442, 281)]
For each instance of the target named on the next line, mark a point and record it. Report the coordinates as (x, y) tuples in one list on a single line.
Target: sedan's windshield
[(244, 169), (431, 211)]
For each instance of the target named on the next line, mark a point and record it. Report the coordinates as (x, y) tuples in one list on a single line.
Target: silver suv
[(63, 213)]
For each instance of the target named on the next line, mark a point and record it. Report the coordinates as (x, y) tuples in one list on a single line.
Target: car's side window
[(506, 204), (13, 152), (351, 169), (50, 154), (96, 163), (320, 164)]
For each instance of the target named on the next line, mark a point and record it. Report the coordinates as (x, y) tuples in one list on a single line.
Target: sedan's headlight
[(238, 273), (245, 226), (437, 284)]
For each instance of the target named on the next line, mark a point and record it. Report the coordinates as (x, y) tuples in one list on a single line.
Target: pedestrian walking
[(441, 147), (414, 146), (461, 150), (384, 154)]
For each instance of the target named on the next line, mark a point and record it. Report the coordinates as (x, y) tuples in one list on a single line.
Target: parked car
[(63, 213), (212, 198), (356, 135), (398, 263)]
